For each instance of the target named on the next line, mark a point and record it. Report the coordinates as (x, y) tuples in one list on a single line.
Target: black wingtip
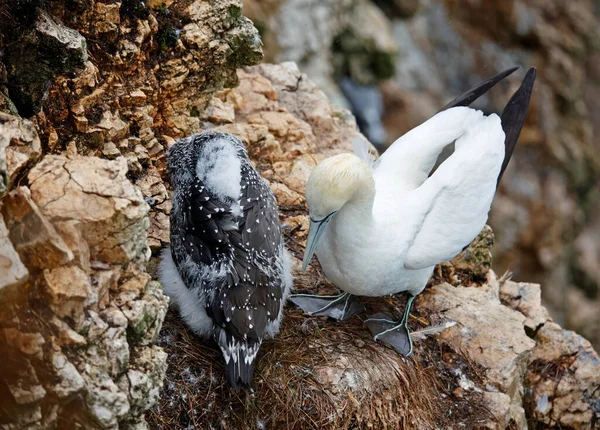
[(513, 116), (480, 89)]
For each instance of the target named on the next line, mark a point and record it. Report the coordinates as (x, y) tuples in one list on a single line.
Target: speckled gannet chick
[(227, 270), (381, 228)]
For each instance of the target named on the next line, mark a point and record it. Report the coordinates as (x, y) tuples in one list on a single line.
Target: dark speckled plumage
[(228, 251)]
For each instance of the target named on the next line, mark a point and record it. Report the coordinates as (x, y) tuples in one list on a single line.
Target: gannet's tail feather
[(480, 89), (514, 113), (513, 117), (407, 163)]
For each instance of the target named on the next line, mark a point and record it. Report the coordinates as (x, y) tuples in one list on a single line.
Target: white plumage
[(381, 229), (388, 240)]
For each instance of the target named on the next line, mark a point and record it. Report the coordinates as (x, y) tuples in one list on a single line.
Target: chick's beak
[(315, 231)]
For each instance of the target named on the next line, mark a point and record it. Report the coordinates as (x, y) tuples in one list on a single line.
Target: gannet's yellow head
[(334, 182)]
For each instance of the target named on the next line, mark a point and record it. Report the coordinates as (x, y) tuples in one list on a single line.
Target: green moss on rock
[(477, 257), (245, 45), (147, 315)]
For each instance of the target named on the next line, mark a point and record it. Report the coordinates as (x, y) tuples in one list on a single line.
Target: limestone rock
[(563, 379), (42, 53), (70, 381), (68, 290), (82, 315), (111, 213), (499, 406), (146, 315), (19, 147), (106, 403), (155, 194), (489, 333), (114, 126), (81, 221), (527, 299), (285, 196), (144, 380), (66, 335), (217, 112), (13, 273), (34, 237)]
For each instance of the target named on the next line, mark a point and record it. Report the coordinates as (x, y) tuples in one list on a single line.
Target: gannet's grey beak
[(315, 231)]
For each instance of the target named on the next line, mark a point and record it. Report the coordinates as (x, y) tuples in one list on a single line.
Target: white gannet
[(227, 270), (380, 228)]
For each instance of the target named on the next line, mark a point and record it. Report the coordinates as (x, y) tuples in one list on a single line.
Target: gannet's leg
[(391, 332), (339, 307)]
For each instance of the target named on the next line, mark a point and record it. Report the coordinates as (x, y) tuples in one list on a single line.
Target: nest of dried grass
[(319, 373)]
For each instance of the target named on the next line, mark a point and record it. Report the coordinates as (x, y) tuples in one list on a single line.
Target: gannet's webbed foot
[(394, 333), (383, 328), (339, 307)]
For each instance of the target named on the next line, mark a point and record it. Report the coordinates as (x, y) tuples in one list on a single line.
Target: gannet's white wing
[(407, 163), (452, 205)]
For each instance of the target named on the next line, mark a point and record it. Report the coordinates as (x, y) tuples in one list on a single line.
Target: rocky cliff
[(91, 92), (85, 119)]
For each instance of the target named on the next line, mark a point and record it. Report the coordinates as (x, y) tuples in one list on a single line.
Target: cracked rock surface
[(32, 61), (562, 376), (19, 148), (80, 229), (95, 91)]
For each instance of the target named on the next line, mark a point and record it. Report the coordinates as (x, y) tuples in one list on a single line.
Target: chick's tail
[(240, 356)]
